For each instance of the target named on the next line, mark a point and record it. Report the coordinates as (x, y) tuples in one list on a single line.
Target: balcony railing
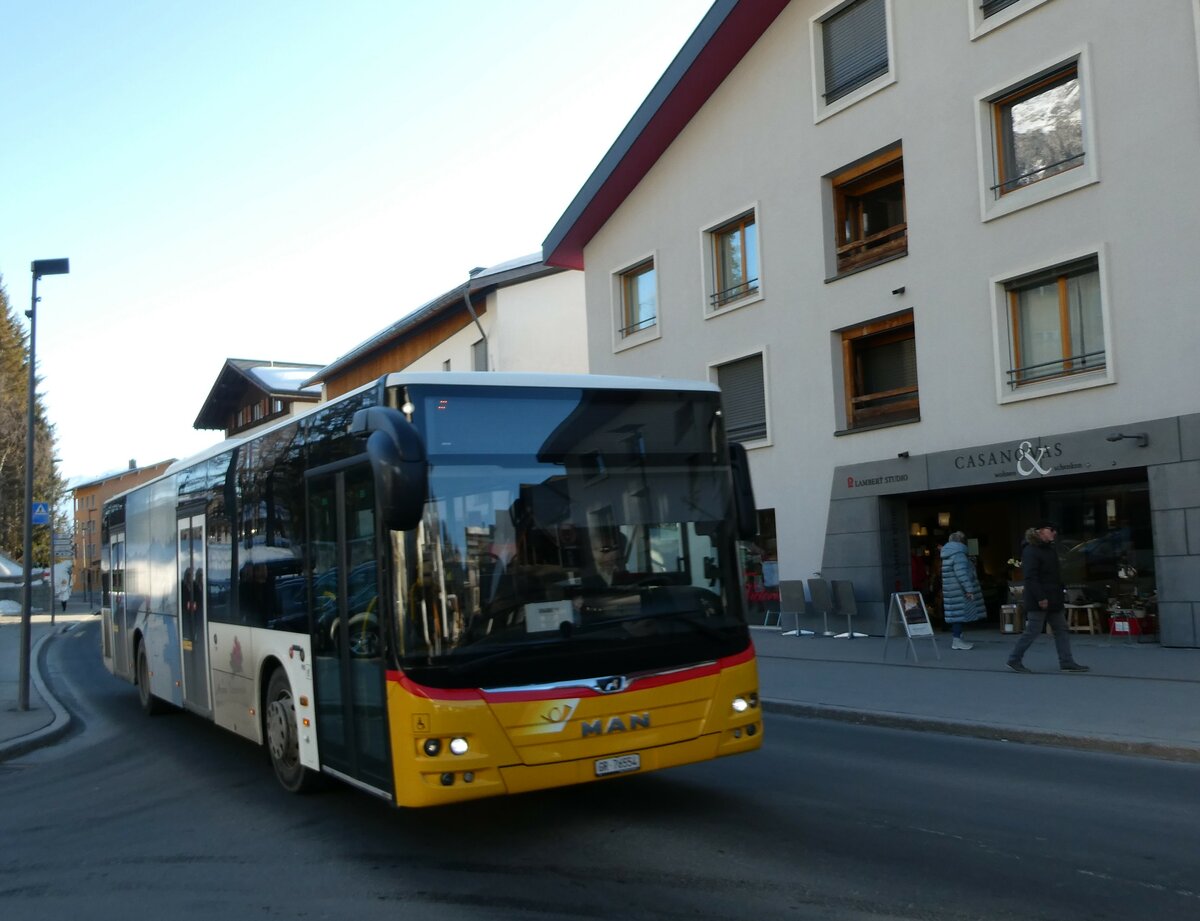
[(637, 327), (899, 403), (1060, 367), (1042, 172), (891, 241), (729, 295)]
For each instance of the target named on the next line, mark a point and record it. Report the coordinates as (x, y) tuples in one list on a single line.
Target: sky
[(281, 180)]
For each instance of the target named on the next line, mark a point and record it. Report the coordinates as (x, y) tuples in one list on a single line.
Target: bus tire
[(151, 705), (282, 742)]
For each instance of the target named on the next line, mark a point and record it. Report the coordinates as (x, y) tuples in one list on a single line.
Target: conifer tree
[(14, 406)]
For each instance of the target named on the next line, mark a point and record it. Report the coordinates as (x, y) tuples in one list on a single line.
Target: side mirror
[(744, 510), (398, 462)]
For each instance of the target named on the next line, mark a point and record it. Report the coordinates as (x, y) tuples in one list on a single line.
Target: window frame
[(714, 367), (623, 336), (711, 236), (1004, 334), (849, 187), (1005, 153), (479, 356), (991, 141), (981, 24), (851, 341), (824, 108)]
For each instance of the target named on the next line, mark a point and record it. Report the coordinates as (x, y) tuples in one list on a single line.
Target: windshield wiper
[(684, 617), (473, 663)]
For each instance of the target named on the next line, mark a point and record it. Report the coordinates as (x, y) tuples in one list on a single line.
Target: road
[(173, 818)]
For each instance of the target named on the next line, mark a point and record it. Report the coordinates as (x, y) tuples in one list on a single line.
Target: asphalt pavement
[(1138, 698)]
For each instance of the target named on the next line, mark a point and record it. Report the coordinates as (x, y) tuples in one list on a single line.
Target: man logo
[(615, 724), (611, 685)]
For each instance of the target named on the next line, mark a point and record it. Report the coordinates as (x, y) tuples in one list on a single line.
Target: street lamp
[(39, 268)]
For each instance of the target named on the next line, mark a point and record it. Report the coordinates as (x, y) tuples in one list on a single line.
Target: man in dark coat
[(1043, 599)]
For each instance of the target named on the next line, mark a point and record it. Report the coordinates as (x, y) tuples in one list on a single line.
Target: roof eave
[(450, 300), (728, 31)]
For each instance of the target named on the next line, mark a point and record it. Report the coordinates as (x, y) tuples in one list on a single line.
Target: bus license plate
[(619, 765)]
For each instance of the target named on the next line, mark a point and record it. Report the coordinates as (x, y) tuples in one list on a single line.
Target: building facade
[(89, 499), (922, 247), (520, 315), (249, 393)]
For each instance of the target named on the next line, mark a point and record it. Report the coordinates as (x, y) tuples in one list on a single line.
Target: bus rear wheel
[(282, 741), (151, 705)]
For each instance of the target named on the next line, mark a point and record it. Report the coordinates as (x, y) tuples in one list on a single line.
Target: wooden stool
[(1082, 618)]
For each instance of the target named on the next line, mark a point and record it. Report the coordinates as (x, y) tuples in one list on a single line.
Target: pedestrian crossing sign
[(41, 512)]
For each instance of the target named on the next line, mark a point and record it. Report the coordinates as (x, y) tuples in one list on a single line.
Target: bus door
[(347, 632), (122, 631), (192, 614)]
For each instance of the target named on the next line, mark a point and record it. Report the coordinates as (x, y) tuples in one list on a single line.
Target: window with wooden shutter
[(879, 367), (869, 211)]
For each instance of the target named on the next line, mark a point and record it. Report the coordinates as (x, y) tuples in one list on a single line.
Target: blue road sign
[(41, 513)]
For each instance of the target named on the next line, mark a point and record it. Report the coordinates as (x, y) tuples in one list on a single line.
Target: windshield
[(568, 533)]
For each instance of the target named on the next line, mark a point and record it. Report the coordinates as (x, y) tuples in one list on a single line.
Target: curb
[(985, 731), (60, 720), (60, 723)]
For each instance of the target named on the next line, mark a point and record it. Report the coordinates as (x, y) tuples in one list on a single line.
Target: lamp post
[(39, 268)]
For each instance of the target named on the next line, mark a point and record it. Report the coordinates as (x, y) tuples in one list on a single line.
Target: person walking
[(962, 598), (1043, 599)]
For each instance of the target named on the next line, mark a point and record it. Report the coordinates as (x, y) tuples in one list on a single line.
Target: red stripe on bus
[(534, 694)]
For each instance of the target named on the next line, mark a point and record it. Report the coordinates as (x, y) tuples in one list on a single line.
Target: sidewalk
[(46, 719), (1138, 698)]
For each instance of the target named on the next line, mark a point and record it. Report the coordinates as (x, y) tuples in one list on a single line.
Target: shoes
[(1073, 667), (1017, 667), (960, 643)]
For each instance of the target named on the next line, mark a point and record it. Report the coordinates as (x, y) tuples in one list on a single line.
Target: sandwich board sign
[(908, 609)]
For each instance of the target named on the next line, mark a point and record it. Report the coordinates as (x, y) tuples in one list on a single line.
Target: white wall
[(457, 348), (535, 325), (757, 141), (541, 325)]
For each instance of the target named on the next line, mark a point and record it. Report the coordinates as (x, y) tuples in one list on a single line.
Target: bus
[(447, 586)]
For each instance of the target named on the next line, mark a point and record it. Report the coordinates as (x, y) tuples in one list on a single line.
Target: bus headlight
[(432, 747), (740, 705), (458, 746)]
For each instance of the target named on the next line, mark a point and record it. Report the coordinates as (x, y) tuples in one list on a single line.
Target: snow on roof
[(500, 268), (276, 378)]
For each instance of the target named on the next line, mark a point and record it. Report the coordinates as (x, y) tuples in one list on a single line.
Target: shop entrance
[(1105, 540)]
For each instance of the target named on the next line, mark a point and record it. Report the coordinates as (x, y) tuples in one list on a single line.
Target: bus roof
[(542, 379), (455, 378)]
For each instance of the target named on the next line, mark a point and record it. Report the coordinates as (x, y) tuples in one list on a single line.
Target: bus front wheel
[(282, 741), (151, 705)]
